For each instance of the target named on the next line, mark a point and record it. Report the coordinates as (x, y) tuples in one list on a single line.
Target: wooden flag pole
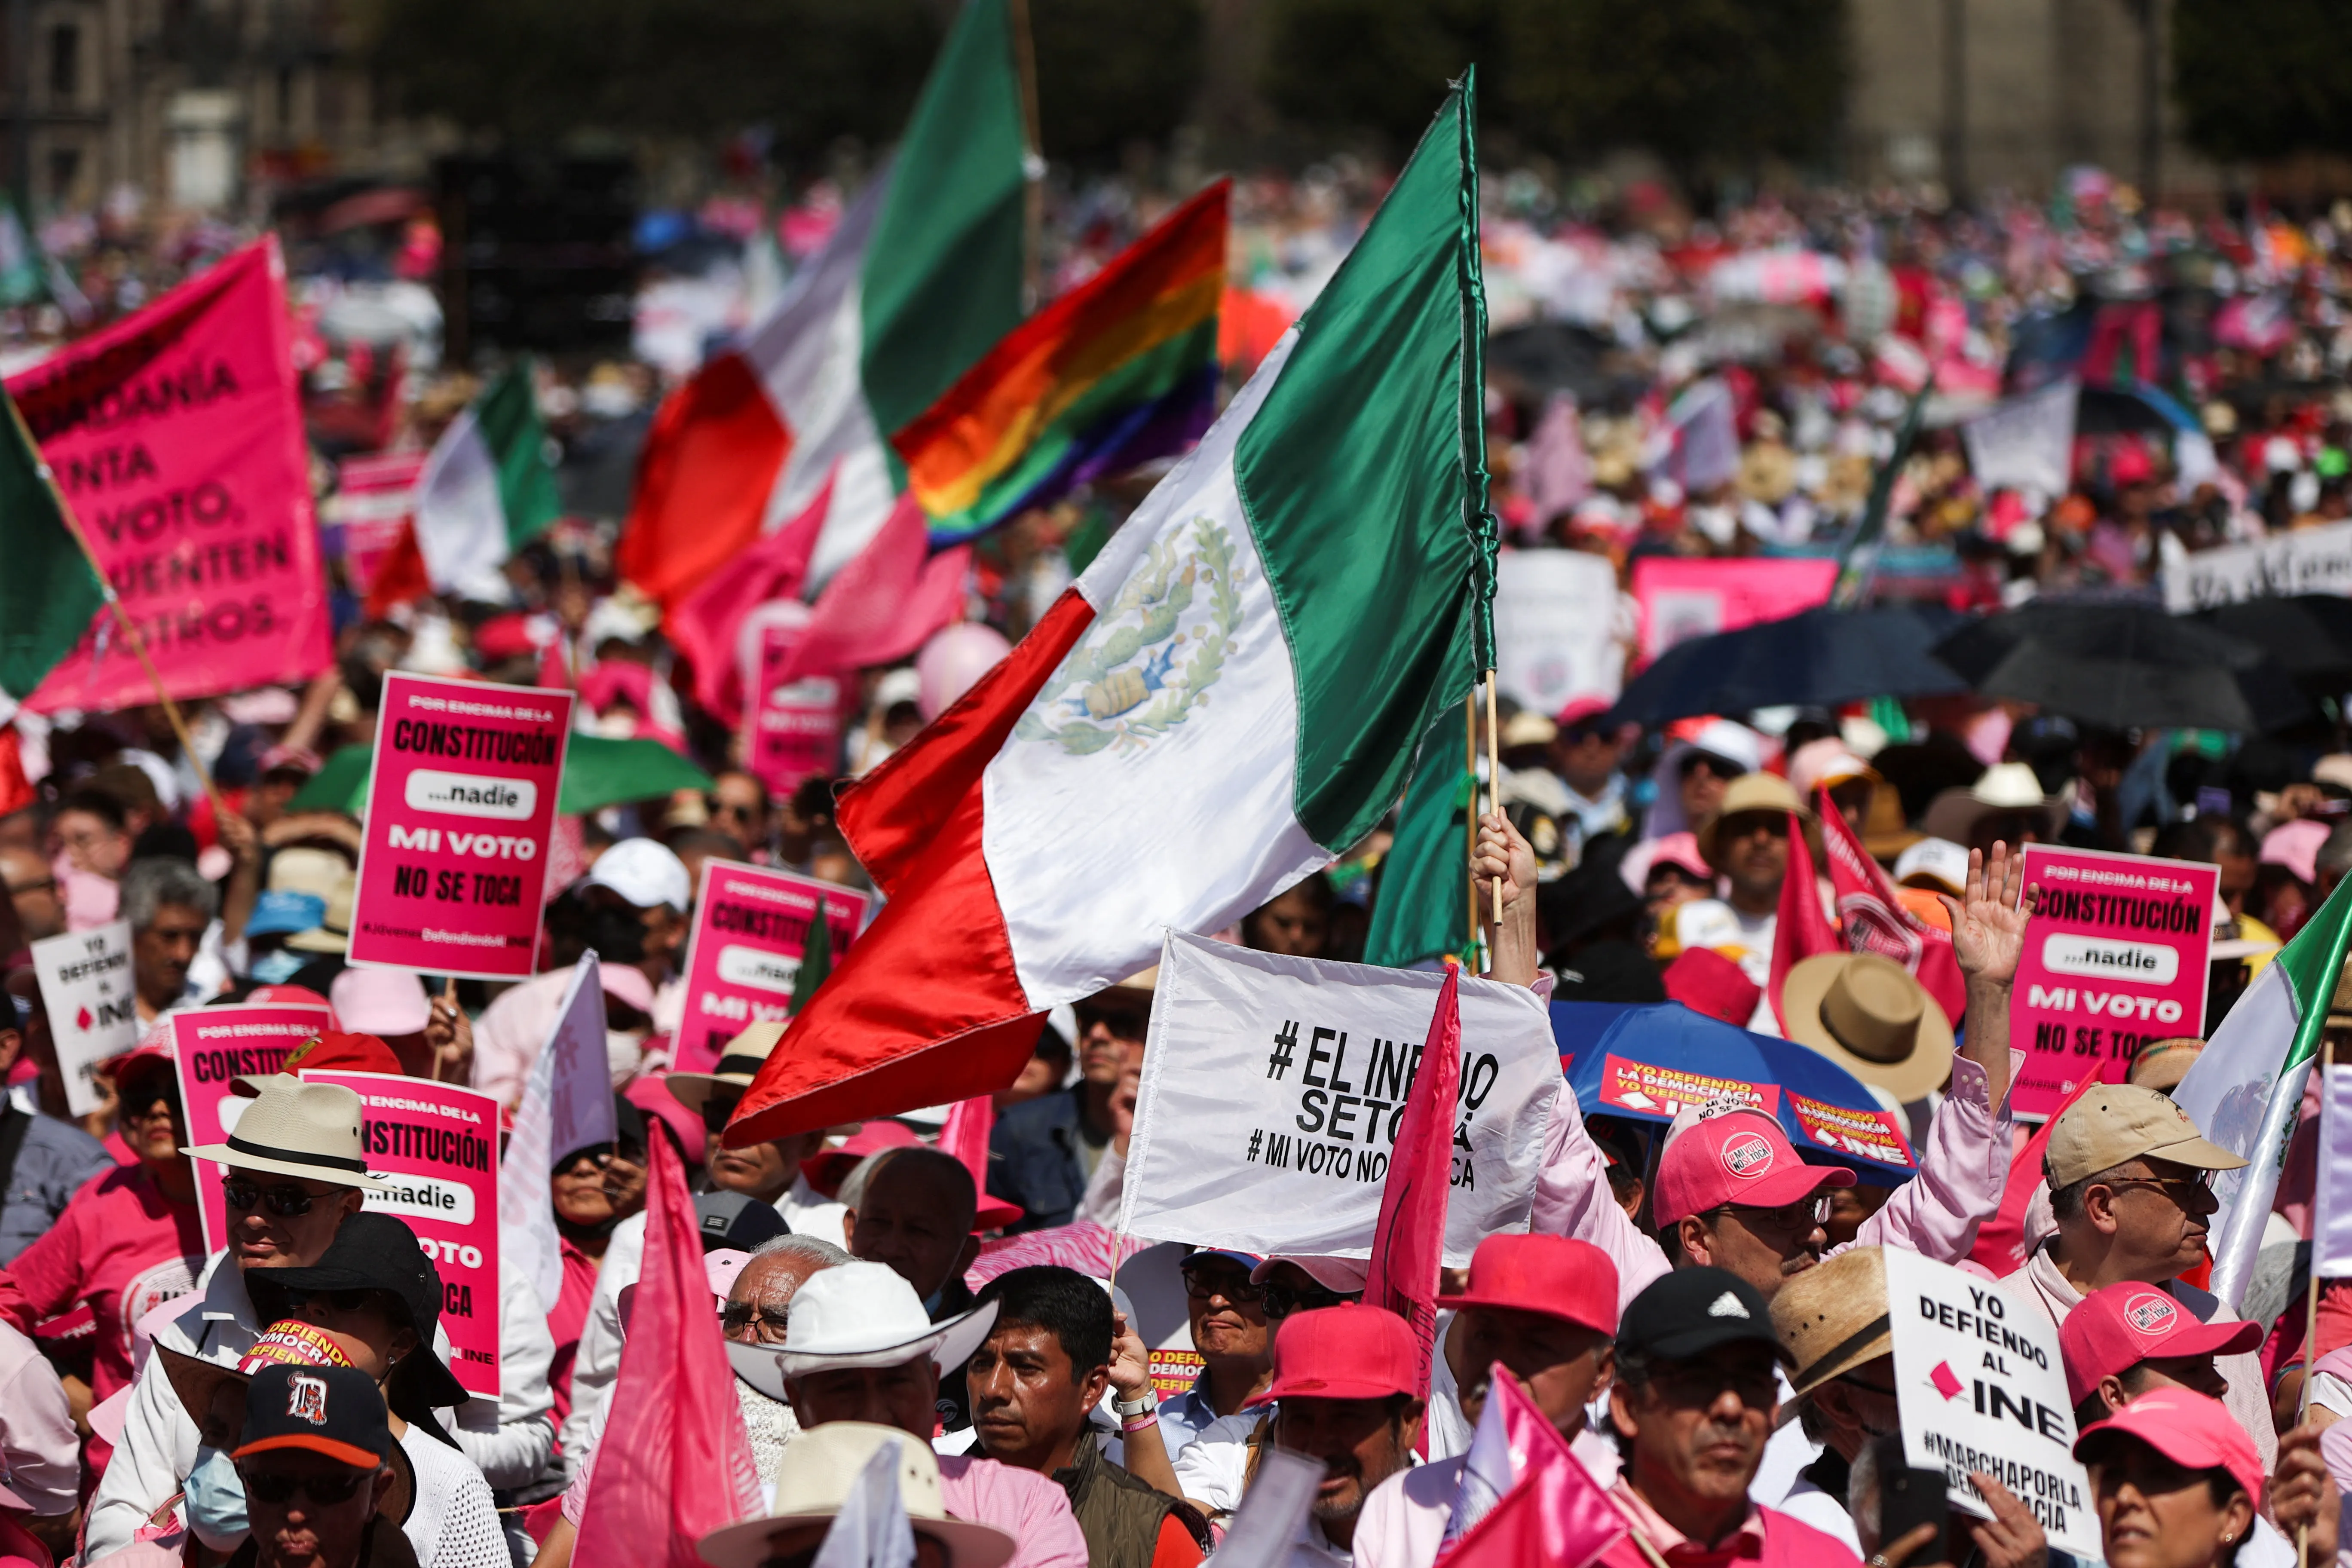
[(1493, 780), (121, 616), (1025, 62), (1470, 824)]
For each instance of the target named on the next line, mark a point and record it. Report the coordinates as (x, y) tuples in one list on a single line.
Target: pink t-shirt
[(569, 1316), (121, 1247), (1023, 1504)]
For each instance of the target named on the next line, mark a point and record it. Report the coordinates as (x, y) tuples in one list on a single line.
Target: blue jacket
[(1034, 1159), (57, 1158)]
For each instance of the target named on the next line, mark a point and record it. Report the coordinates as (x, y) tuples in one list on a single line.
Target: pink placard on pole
[(215, 1047), (751, 928), (438, 1145), (1683, 598), (2115, 956), (789, 733), (453, 860)]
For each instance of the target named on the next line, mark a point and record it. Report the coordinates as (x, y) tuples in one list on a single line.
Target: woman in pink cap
[(2177, 1483)]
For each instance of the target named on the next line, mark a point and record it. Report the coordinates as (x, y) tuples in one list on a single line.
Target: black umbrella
[(1817, 659), (2310, 635), (2124, 667)]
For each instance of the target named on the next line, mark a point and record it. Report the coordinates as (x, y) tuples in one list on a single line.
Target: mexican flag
[(49, 592), (2245, 1092), (918, 281), (1234, 693), (486, 490)]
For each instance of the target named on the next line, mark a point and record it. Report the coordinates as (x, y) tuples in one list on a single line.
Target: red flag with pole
[(1802, 930), (1875, 920), (1409, 1243)]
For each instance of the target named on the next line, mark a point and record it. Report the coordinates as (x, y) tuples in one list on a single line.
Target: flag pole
[(1493, 781), (121, 616), (1033, 237), (1470, 822)]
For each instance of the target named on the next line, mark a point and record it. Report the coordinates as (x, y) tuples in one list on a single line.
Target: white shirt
[(1213, 1469), (454, 1524)]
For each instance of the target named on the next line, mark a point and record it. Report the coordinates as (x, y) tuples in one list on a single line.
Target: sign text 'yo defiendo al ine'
[(2114, 957), (93, 1010), (453, 860), (750, 930), (436, 1145), (215, 1046)]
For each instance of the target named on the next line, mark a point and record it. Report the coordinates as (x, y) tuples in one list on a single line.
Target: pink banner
[(374, 500), (452, 863), (216, 1047), (438, 1145), (177, 437), (791, 732), (750, 927), (1680, 599), (2114, 957), (1655, 1090)]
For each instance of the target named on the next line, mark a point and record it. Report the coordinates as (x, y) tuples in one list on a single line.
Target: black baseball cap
[(377, 1252), (734, 1220), (335, 1411), (1690, 1311)]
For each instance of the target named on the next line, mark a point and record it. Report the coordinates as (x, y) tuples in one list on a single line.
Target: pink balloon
[(951, 661)]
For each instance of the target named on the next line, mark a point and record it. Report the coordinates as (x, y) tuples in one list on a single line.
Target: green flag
[(816, 958), (48, 591), (1421, 912)]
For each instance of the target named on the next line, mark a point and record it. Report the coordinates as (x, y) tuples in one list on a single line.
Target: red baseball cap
[(1350, 1352), (1704, 980), (1559, 1278), (290, 996), (1739, 1157), (828, 1168), (329, 1048), (2192, 1430), (1579, 709), (2119, 1327)]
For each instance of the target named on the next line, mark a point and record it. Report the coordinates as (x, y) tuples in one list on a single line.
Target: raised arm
[(1988, 938)]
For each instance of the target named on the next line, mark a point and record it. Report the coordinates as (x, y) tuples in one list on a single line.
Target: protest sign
[(1683, 598), (453, 857), (215, 1046), (1979, 1386), (374, 500), (567, 1105), (2315, 560), (2331, 1215), (2026, 443), (176, 437), (792, 729), (1556, 627), (2114, 957), (85, 979), (437, 1146), (1274, 1089), (744, 958)]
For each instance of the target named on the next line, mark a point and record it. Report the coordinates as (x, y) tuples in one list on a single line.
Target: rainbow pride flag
[(1119, 371)]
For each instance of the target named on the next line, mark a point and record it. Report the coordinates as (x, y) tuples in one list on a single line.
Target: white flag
[(2026, 443), (2331, 1220), (871, 1529), (567, 1105)]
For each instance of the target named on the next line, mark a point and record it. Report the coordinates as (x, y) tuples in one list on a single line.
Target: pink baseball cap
[(380, 1002), (1738, 1157), (1704, 980), (2121, 1326), (2192, 1430), (1682, 849), (1554, 1275), (1579, 709), (1350, 1352), (291, 997), (2295, 846)]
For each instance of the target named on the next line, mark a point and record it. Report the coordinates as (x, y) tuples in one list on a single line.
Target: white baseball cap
[(645, 873), (1939, 860)]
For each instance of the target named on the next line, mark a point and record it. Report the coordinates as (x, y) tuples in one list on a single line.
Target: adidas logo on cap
[(1726, 1305)]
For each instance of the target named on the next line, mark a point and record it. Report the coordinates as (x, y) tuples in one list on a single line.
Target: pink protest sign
[(790, 731), (1680, 599), (2115, 956), (453, 860), (751, 928), (437, 1146), (177, 437), (215, 1047), (374, 498), (1655, 1091)]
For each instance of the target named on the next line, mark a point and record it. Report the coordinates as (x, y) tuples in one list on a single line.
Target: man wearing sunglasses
[(1233, 1335), (321, 1484), (1043, 1153)]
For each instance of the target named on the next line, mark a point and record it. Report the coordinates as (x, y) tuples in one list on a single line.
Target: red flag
[(2001, 1240), (885, 604), (704, 624), (1802, 930), (17, 791), (1875, 920), (1409, 1243), (675, 1461), (1553, 1512), (400, 576), (711, 458)]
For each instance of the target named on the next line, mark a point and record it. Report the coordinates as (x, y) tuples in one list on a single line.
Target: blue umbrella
[(1648, 1062)]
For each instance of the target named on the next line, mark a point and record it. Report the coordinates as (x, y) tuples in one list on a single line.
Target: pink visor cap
[(1738, 1157)]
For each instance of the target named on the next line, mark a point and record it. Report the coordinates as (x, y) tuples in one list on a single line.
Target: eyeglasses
[(155, 1105), (2189, 1192), (1803, 1215), (1281, 1300), (1200, 1285), (1118, 1025), (278, 1487), (734, 1316), (719, 1107), (600, 1159), (285, 1202)]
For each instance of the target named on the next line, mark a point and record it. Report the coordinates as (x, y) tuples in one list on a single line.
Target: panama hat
[(737, 1066), (820, 1470), (1833, 1316), (298, 1129), (1867, 1013), (858, 1314), (1750, 793), (2004, 788)]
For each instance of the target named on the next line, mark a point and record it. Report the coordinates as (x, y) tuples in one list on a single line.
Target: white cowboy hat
[(298, 1129), (824, 1465), (858, 1314)]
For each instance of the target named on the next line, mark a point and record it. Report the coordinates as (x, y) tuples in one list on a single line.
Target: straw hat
[(2005, 787), (298, 1129), (1884, 834), (1870, 1017), (1833, 1316), (1748, 792), (818, 1473), (737, 1066)]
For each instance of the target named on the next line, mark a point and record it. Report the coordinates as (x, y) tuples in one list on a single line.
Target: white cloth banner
[(567, 1105), (2307, 561), (1558, 628), (1274, 1089), (2331, 1220), (2026, 443), (1980, 1385), (1705, 450), (85, 980)]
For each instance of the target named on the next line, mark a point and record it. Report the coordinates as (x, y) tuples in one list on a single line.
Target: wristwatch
[(1127, 1409)]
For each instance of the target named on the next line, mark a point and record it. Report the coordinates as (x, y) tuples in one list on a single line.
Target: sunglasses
[(1281, 1300), (285, 1202), (1803, 1215), (737, 1315), (278, 1487), (1201, 1285), (717, 1108)]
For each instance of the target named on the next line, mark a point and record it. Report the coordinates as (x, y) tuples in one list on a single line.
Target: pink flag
[(675, 1461), (1553, 1512), (969, 1123), (1804, 930), (704, 624), (1409, 1243), (885, 603), (1876, 921)]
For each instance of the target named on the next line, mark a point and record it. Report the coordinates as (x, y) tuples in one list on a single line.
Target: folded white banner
[(2026, 443), (1274, 1089)]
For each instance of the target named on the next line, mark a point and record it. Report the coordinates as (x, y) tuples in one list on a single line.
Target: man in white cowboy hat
[(829, 1472), (858, 1347)]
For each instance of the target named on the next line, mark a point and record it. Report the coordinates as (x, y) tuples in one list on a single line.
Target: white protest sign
[(2307, 561), (567, 1105), (1981, 1386), (1274, 1089), (84, 977), (1556, 627), (2026, 443)]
